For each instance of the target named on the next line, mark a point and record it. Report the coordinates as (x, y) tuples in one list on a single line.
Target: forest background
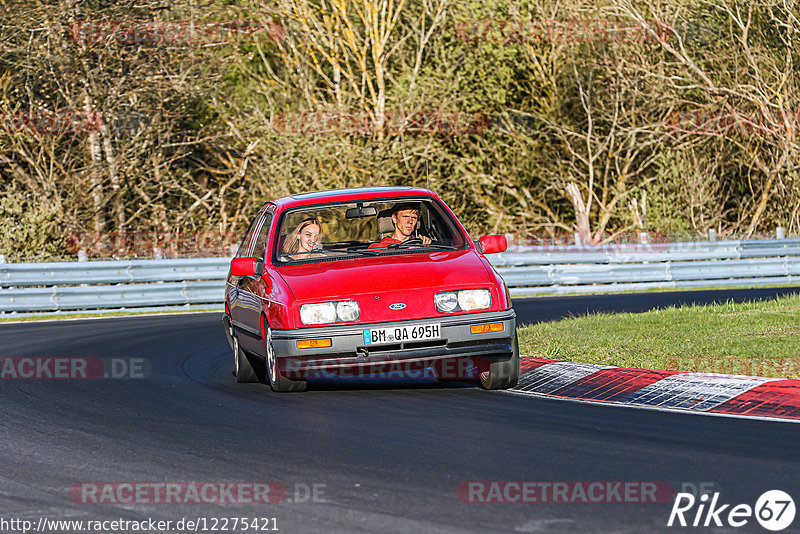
[(551, 121)]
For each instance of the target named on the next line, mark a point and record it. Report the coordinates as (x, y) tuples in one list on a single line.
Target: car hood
[(378, 282)]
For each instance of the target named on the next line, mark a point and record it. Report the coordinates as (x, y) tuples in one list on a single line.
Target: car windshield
[(364, 229)]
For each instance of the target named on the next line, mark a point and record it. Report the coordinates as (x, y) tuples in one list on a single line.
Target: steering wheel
[(408, 242)]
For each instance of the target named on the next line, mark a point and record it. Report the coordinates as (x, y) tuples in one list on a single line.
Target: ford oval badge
[(397, 306)]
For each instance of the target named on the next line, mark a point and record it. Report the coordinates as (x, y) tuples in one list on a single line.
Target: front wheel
[(244, 370), (278, 382), (503, 374)]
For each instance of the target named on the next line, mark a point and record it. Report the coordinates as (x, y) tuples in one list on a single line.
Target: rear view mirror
[(360, 212), (243, 266), (492, 244)]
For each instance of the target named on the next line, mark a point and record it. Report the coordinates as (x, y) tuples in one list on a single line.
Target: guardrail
[(528, 270), (95, 285), (543, 270)]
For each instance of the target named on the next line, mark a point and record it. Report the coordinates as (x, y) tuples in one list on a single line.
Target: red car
[(358, 282)]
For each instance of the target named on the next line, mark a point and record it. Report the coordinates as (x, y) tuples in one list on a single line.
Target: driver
[(404, 218)]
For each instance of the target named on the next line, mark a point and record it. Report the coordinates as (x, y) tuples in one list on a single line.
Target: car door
[(235, 283), (250, 291)]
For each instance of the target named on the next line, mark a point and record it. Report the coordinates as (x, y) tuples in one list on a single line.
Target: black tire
[(503, 374), (277, 382), (242, 366)]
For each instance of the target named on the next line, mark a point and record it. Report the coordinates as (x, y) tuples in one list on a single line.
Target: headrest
[(385, 224)]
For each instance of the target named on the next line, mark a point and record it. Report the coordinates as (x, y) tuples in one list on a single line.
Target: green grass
[(759, 338)]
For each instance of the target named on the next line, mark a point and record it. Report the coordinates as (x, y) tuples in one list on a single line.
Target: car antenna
[(428, 187), (427, 176)]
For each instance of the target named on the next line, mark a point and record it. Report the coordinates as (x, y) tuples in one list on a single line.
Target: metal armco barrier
[(543, 270), (528, 270), (98, 285)]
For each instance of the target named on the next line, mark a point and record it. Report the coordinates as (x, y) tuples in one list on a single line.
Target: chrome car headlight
[(446, 302), (324, 312), (329, 312), (474, 299), (464, 300), (347, 310)]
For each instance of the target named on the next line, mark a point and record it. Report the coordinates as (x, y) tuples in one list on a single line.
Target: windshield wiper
[(364, 251), (407, 245)]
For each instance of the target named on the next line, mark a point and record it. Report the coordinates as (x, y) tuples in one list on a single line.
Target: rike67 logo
[(774, 510)]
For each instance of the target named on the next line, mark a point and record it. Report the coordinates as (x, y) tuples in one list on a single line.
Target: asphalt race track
[(382, 458)]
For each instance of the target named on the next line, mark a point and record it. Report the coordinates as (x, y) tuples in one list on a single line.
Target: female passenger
[(301, 241)]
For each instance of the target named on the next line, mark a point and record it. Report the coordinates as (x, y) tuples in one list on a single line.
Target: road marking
[(554, 376), (694, 391)]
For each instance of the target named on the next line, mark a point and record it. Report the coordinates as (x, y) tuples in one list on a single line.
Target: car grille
[(373, 349)]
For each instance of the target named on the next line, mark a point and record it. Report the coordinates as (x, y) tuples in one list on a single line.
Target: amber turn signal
[(486, 328), (314, 343)]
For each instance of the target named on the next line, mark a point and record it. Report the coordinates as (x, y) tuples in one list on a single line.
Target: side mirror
[(492, 244), (243, 266)]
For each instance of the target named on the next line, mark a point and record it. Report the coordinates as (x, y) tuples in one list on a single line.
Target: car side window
[(248, 236), (261, 241)]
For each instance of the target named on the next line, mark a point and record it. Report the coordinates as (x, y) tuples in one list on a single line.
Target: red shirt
[(384, 242)]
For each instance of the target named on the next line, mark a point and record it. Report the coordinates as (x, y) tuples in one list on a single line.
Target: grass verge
[(759, 338)]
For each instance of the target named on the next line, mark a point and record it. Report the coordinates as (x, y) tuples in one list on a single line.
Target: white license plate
[(402, 334)]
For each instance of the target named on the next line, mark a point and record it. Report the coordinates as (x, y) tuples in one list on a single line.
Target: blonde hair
[(292, 244)]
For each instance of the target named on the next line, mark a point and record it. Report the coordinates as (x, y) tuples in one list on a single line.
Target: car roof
[(351, 194)]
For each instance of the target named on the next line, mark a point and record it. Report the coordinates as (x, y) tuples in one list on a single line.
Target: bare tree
[(753, 81)]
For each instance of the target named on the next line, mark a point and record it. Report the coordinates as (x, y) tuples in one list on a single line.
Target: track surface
[(390, 458)]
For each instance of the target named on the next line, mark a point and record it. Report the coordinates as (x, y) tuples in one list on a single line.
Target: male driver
[(404, 218)]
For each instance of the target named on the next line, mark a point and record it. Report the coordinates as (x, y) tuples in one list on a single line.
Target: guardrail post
[(779, 232), (712, 234), (2, 258), (81, 255), (157, 254)]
